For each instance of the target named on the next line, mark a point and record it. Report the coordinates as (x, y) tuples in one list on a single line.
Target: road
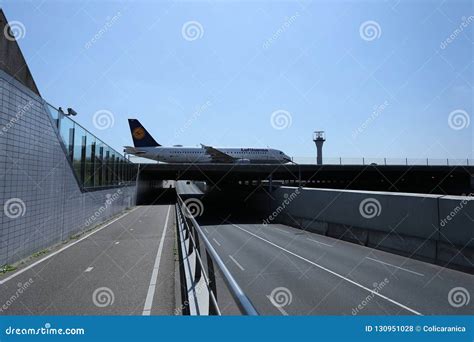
[(187, 188), (288, 271), (125, 268)]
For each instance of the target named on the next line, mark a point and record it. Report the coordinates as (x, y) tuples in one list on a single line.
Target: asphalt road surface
[(183, 188), (125, 268), (288, 271)]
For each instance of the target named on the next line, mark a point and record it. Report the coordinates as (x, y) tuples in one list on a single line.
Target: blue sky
[(386, 91)]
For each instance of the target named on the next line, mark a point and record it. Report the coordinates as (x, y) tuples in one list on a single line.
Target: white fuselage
[(200, 155)]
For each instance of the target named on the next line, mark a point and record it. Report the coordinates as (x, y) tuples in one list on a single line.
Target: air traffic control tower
[(319, 137)]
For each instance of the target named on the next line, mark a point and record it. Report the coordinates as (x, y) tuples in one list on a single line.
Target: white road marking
[(400, 268), (62, 249), (216, 242), (283, 311), (322, 243), (206, 230), (332, 272), (236, 262), (88, 269), (117, 242), (154, 275)]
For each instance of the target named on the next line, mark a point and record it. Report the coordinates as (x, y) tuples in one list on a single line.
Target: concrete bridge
[(422, 179)]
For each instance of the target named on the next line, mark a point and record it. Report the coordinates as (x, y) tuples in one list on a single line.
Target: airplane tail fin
[(141, 137)]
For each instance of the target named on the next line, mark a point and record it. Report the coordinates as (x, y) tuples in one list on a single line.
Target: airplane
[(147, 147)]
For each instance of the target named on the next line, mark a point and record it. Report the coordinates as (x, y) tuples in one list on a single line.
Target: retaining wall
[(41, 202), (434, 228)]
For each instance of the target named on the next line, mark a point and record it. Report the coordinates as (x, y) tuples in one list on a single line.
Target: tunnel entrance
[(156, 192)]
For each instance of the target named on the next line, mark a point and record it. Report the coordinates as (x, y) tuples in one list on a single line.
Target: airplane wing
[(217, 155)]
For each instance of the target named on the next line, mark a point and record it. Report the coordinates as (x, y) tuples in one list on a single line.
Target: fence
[(388, 161), (203, 272)]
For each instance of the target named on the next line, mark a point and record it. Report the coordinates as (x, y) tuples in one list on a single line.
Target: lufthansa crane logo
[(139, 133)]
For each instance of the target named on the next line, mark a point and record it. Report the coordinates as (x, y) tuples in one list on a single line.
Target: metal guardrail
[(208, 287), (387, 161)]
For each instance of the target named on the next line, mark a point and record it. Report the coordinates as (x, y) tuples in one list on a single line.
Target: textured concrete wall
[(40, 200)]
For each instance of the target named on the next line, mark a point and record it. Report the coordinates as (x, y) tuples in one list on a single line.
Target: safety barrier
[(207, 286)]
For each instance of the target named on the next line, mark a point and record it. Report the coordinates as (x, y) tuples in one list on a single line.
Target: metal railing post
[(213, 308)]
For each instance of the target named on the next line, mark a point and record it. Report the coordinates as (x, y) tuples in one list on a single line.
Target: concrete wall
[(409, 214), (457, 220), (40, 201), (410, 224)]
